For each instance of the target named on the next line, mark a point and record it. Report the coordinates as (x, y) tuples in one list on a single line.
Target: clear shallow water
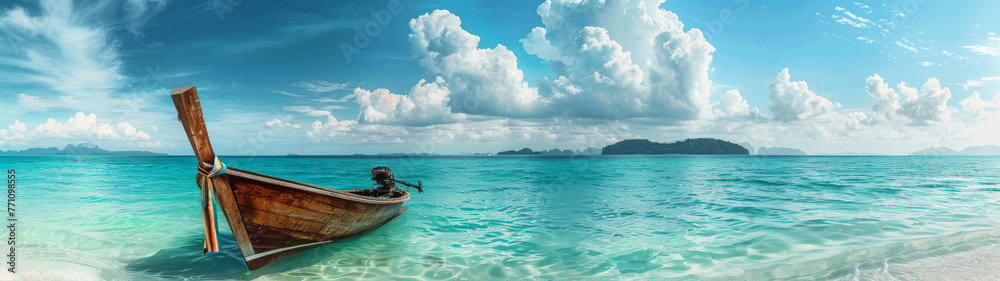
[(508, 218)]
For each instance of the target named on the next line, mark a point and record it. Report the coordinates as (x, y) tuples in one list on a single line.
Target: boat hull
[(281, 218)]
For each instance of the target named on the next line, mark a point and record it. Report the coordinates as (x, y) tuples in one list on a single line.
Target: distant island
[(551, 152), (523, 151), (748, 147), (81, 149), (985, 150), (764, 151), (699, 146)]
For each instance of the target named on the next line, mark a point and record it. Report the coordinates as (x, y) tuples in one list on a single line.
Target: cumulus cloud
[(639, 64), (17, 127), (130, 132), (430, 104), (929, 105), (537, 45), (793, 101), (608, 83), (331, 128), (919, 107), (79, 127), (279, 123), (352, 131), (733, 106), (482, 81), (886, 100), (978, 108), (79, 124), (426, 104), (380, 106), (622, 59)]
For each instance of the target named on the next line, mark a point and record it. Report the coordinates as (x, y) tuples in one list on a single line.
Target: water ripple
[(508, 218)]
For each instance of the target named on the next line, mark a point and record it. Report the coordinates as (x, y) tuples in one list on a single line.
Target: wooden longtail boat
[(273, 218)]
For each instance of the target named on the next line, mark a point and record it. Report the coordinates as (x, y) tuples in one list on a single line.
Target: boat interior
[(375, 192)]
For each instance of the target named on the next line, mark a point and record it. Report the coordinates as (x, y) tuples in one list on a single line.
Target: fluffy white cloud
[(482, 81), (622, 59), (279, 123), (126, 128), (886, 100), (430, 105), (603, 81), (426, 104), (979, 108), (793, 101), (331, 128), (919, 107), (537, 45), (17, 127), (352, 131), (129, 132), (80, 124), (380, 106), (80, 127), (733, 106), (593, 53)]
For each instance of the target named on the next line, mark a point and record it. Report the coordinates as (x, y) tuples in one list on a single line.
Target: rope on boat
[(204, 179)]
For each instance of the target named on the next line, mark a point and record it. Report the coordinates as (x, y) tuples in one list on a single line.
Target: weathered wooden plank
[(267, 218), (288, 196), (268, 238), (312, 211), (189, 114)]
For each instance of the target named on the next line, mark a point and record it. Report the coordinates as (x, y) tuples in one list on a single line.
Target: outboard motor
[(387, 182)]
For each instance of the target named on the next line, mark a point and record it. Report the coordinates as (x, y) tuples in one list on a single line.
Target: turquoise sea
[(539, 218)]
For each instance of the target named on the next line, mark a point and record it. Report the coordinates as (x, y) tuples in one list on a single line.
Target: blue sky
[(481, 76)]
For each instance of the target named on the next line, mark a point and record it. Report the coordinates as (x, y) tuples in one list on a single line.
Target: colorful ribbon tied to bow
[(204, 179)]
